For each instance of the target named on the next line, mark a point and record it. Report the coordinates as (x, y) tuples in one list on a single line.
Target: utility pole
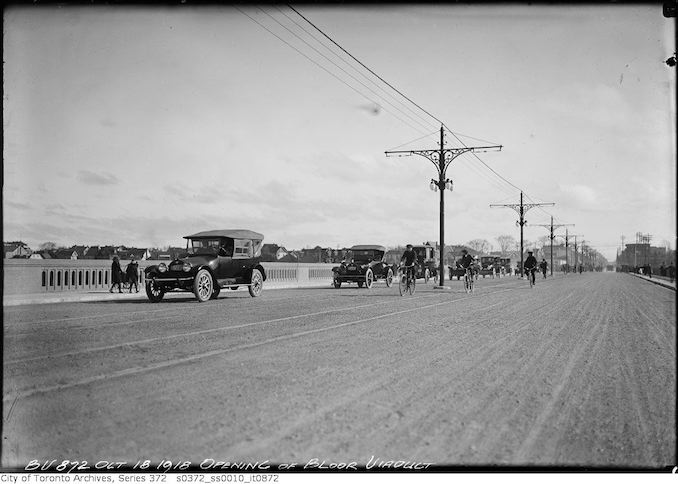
[(521, 208), (441, 159), (552, 236), (575, 251), (567, 245)]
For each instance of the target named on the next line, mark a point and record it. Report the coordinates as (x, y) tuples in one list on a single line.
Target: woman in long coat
[(116, 274), (132, 272)]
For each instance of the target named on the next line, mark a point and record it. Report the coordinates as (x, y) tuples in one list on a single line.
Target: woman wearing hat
[(132, 272), (116, 274)]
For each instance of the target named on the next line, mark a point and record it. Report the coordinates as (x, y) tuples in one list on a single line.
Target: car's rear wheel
[(337, 283), (256, 283), (203, 286), (389, 277), (154, 292), (369, 278)]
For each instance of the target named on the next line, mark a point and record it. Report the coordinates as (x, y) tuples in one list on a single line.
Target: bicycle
[(469, 280), (408, 282), (531, 276)]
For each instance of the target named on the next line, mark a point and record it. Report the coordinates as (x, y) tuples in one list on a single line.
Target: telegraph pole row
[(441, 159), (521, 208), (552, 236)]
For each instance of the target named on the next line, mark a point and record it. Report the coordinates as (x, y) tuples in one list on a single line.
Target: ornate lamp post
[(441, 159)]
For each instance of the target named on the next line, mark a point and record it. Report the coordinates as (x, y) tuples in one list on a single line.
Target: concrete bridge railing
[(31, 276)]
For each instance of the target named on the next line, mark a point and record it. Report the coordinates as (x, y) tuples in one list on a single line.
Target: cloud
[(91, 178), (18, 206), (579, 194)]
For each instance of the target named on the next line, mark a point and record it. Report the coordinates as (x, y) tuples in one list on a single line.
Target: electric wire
[(360, 72), (372, 91), (345, 72), (370, 70), (323, 68)]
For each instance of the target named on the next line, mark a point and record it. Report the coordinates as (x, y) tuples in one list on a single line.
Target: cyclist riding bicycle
[(530, 265), (409, 258)]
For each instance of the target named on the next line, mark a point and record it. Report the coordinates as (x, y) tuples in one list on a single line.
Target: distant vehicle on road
[(487, 267), (363, 265), (426, 264), (214, 260)]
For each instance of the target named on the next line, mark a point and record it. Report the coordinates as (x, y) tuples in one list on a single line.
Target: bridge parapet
[(31, 276)]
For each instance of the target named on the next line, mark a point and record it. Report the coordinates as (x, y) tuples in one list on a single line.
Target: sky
[(135, 126)]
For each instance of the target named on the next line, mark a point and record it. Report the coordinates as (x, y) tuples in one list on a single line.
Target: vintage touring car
[(364, 265), (214, 260)]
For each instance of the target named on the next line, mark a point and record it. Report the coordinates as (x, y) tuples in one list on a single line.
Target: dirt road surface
[(580, 370)]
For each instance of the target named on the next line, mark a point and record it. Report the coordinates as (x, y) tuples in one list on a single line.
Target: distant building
[(273, 252), (16, 250)]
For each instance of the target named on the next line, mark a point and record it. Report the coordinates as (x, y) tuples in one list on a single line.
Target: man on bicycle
[(409, 258), (530, 265)]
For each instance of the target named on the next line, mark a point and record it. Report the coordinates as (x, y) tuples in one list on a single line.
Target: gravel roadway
[(578, 371)]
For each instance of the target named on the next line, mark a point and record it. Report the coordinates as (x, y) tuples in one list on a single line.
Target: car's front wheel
[(256, 284), (154, 292), (389, 277), (203, 286), (369, 278)]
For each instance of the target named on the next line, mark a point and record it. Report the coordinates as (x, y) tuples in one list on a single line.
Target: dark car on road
[(214, 260), (426, 267), (364, 265)]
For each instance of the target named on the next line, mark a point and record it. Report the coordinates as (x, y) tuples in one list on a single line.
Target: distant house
[(90, 252), (170, 254), (65, 254), (128, 252), (42, 254), (316, 254), (273, 252), (16, 250), (106, 252)]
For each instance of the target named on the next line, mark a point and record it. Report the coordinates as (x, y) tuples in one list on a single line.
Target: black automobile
[(214, 260), (364, 265), (426, 267)]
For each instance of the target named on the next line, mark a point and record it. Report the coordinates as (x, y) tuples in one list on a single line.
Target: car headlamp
[(162, 267), (186, 267)]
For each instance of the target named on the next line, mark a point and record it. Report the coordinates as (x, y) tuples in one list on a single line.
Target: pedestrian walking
[(116, 274), (543, 265), (672, 272), (132, 272)]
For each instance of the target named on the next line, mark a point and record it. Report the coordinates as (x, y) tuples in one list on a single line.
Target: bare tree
[(48, 246), (479, 245), (506, 243)]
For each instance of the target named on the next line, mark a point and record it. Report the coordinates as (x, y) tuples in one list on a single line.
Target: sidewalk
[(657, 280), (105, 295)]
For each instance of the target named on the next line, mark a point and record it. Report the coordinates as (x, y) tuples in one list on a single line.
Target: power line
[(344, 70), (360, 72), (370, 70), (323, 68)]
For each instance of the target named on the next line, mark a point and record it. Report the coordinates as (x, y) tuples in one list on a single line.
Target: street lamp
[(441, 159), (447, 184)]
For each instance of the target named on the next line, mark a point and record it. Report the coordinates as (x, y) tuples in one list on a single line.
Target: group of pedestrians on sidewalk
[(131, 274)]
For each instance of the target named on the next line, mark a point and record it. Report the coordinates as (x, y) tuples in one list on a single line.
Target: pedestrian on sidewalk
[(116, 274), (132, 272), (672, 272)]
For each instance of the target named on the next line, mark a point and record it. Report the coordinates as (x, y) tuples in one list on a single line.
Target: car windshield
[(204, 246), (366, 255)]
